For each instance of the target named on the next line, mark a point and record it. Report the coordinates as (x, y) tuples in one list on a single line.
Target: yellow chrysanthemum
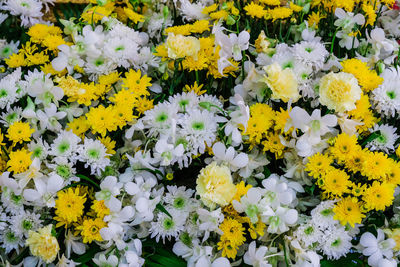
[(233, 231), (100, 208), (375, 166), (78, 125), (19, 131), (335, 183), (90, 230), (255, 11), (348, 211), (279, 13), (102, 119), (19, 161), (132, 15), (242, 189), (43, 244), (318, 165), (195, 88), (274, 145), (144, 104), (69, 206), (137, 83), (378, 196), (345, 147)]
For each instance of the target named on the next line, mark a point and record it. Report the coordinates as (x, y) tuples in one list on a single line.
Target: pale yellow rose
[(339, 91), (215, 186), (282, 82)]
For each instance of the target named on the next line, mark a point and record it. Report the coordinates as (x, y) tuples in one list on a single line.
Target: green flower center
[(93, 154), (168, 223), (198, 126), (63, 171), (179, 203)]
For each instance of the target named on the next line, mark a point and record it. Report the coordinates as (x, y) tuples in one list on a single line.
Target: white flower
[(167, 153), (322, 215), (256, 256), (166, 226), (133, 253), (209, 221), (229, 156), (313, 53), (7, 49), (239, 43), (32, 173), (93, 154), (67, 58), (3, 17), (73, 244), (102, 260), (277, 192), (382, 47), (278, 221), (65, 145), (347, 20), (251, 204), (309, 234), (46, 190), (25, 221), (110, 188), (179, 198), (386, 97), (161, 119), (10, 240), (385, 140), (49, 119), (28, 10), (9, 89), (192, 11), (376, 248), (337, 244)]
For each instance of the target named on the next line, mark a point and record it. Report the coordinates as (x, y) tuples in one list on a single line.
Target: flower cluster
[(200, 133)]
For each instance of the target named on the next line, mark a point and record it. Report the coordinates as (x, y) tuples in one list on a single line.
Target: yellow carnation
[(215, 186), (43, 244), (180, 46), (339, 91), (282, 82)]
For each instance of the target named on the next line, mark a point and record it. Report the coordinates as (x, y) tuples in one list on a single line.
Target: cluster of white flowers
[(29, 11)]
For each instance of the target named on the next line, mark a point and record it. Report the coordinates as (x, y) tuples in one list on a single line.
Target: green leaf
[(162, 209)]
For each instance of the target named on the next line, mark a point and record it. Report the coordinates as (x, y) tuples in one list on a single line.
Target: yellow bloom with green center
[(90, 230), (69, 206), (19, 132), (43, 244)]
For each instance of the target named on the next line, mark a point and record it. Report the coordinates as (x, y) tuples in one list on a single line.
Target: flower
[(19, 161), (215, 186), (90, 230), (18, 132), (378, 196), (69, 206), (180, 46), (348, 210), (339, 91), (376, 248), (43, 244), (256, 256), (282, 82)]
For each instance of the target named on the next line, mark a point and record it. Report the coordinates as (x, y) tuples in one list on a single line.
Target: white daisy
[(337, 244), (65, 145), (166, 226), (385, 140), (386, 97), (24, 222), (184, 101), (10, 91), (322, 215), (161, 119), (39, 148), (28, 10), (120, 51), (179, 198), (10, 240), (309, 234), (93, 154), (6, 49), (313, 53), (12, 115)]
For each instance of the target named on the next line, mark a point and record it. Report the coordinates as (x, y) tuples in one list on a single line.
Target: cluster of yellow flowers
[(362, 179)]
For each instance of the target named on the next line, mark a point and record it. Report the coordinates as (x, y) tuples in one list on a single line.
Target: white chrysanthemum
[(63, 168), (311, 53), (24, 222), (386, 97), (179, 198), (28, 10), (337, 244), (386, 138), (3, 17), (6, 49), (192, 11), (322, 215), (161, 119), (166, 226), (121, 51), (200, 128), (184, 101), (309, 234), (93, 153), (97, 66), (9, 240), (65, 145), (211, 102), (39, 148), (12, 115), (10, 92)]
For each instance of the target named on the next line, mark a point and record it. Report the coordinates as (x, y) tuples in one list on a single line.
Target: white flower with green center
[(278, 221), (11, 240), (336, 244), (161, 119), (6, 49), (322, 215), (65, 145), (24, 222), (63, 168), (167, 226), (12, 115), (250, 204), (386, 97), (179, 198), (184, 101), (29, 11), (93, 154), (39, 148), (385, 140), (309, 235), (10, 92)]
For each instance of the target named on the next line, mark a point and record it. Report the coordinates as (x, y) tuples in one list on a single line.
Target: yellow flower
[(370, 13), (144, 104), (375, 166), (228, 250), (78, 125), (19, 132), (314, 19), (180, 46), (43, 244), (137, 83), (378, 196), (102, 119), (279, 13), (255, 11), (108, 143), (345, 146), (233, 231), (260, 121), (16, 60), (19, 161), (90, 230), (282, 82), (367, 78), (348, 211), (274, 145), (100, 208), (215, 186), (339, 91), (195, 88), (132, 15), (242, 189), (69, 206), (109, 79), (318, 165), (96, 13), (335, 183)]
